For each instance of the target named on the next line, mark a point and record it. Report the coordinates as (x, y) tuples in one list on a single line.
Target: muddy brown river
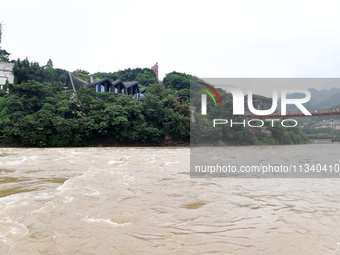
[(143, 201)]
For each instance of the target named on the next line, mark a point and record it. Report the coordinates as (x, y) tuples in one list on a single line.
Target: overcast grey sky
[(204, 38)]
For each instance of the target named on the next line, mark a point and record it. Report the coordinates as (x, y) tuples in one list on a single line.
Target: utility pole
[(332, 121), (0, 34), (192, 115)]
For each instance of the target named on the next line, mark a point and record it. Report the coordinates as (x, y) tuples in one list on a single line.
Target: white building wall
[(6, 73)]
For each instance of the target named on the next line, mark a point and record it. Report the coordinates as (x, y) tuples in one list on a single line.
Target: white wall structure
[(6, 73)]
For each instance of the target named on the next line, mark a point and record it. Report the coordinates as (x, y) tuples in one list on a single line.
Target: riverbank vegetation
[(38, 111)]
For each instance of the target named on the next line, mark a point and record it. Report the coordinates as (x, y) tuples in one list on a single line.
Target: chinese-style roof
[(98, 82), (4, 52), (130, 84), (74, 83), (115, 83)]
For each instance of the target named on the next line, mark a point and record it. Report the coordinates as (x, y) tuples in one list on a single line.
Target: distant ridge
[(320, 99)]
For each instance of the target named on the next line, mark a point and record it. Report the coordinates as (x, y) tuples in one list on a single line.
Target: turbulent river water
[(143, 201)]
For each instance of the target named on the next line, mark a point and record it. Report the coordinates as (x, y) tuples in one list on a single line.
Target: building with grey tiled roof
[(104, 85)]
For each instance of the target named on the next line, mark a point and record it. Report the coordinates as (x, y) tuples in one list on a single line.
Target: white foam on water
[(68, 184), (79, 184), (93, 192), (170, 163), (112, 162), (55, 236), (105, 221), (12, 200), (123, 177), (33, 157), (9, 228), (62, 187), (15, 162), (44, 195), (13, 227), (68, 199)]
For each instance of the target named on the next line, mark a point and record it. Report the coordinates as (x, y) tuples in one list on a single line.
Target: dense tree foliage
[(145, 77), (177, 81), (180, 83), (3, 56), (24, 71), (38, 114), (37, 111), (292, 135)]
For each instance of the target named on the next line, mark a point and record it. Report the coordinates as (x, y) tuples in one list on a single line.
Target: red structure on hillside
[(155, 69)]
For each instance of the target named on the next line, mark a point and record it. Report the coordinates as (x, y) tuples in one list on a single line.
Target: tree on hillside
[(177, 81), (49, 64), (81, 71), (25, 71), (144, 77), (167, 116)]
